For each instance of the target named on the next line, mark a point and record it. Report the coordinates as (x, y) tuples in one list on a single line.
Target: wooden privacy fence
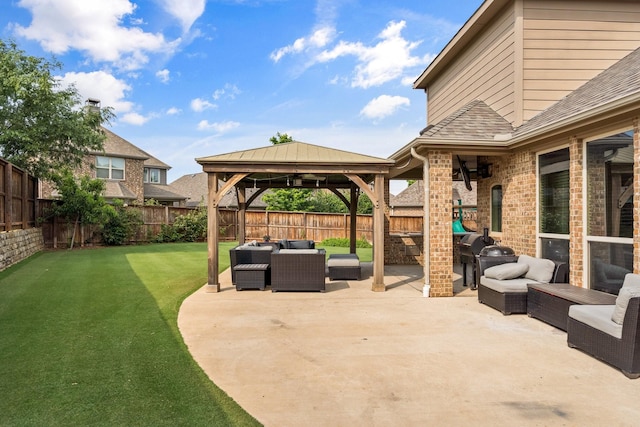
[(18, 202), (278, 225)]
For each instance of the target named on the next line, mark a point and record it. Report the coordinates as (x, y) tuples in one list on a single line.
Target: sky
[(196, 78)]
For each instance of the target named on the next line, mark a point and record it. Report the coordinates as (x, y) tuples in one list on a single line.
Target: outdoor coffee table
[(550, 302), (251, 276)]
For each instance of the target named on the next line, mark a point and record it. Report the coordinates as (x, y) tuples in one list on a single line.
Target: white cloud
[(378, 64), (316, 40), (173, 111), (384, 106), (103, 86), (199, 105), (135, 119), (163, 75), (186, 11), (220, 127), (229, 91), (94, 27)]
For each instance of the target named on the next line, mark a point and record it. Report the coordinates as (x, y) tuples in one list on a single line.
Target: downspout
[(426, 224)]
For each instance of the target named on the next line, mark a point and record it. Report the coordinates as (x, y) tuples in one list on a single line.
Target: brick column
[(440, 245), (576, 210), (636, 195)]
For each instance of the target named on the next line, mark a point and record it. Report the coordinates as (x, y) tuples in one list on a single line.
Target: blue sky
[(194, 78)]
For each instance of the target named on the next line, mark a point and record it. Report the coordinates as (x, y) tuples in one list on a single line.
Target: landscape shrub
[(343, 242), (120, 225), (191, 227)]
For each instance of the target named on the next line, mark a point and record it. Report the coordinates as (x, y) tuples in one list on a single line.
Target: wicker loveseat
[(610, 333), (298, 270), (503, 280)]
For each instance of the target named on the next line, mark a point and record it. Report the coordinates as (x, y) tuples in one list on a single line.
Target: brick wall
[(517, 175), (18, 245)]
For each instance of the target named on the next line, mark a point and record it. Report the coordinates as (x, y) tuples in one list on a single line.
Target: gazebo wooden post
[(378, 235), (353, 218), (242, 213), (213, 282)]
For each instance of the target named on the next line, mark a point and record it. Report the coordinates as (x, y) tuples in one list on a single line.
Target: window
[(553, 202), (109, 167), (496, 208), (609, 183), (553, 169), (152, 175)]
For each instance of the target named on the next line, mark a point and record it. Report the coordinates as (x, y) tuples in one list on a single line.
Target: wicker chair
[(245, 254), (513, 301), (619, 346), (298, 270)]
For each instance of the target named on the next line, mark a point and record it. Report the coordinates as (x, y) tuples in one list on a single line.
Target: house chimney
[(92, 105)]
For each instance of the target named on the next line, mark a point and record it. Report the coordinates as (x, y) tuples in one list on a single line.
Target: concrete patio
[(353, 357)]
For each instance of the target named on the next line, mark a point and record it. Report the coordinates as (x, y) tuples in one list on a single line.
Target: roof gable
[(476, 121)]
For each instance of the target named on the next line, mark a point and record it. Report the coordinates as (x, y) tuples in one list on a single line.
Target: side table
[(550, 302)]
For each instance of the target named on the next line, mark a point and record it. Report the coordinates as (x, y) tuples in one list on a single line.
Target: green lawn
[(89, 337)]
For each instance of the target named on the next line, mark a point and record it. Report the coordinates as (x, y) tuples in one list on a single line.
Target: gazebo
[(296, 165)]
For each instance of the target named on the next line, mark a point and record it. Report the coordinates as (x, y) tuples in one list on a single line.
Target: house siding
[(565, 46), (484, 71)]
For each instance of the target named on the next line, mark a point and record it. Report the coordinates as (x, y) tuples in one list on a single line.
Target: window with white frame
[(110, 167), (609, 207), (152, 175), (553, 203), (496, 208)]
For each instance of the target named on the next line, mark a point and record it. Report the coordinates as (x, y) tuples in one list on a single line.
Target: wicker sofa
[(610, 333), (298, 270), (503, 280)]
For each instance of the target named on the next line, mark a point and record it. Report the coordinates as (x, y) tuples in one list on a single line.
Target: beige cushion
[(298, 251), (506, 271), (540, 269), (622, 301)]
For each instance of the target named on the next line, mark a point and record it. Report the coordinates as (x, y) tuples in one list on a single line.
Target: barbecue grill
[(470, 246)]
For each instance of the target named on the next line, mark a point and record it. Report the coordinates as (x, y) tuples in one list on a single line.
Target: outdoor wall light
[(485, 171)]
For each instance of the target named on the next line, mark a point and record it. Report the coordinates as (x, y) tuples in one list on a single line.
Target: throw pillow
[(622, 301), (631, 281), (540, 269), (509, 270)]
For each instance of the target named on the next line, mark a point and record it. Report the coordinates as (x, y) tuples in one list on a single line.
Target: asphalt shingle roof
[(476, 121)]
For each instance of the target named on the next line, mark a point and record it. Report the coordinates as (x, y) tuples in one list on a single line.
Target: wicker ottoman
[(344, 267), (251, 276)]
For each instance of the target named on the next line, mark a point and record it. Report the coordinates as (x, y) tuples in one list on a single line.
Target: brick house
[(131, 174), (542, 99)]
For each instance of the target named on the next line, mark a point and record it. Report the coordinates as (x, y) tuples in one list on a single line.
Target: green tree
[(280, 138), (43, 126), (80, 200), (288, 199)]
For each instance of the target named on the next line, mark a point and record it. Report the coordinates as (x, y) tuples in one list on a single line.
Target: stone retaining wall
[(17, 245)]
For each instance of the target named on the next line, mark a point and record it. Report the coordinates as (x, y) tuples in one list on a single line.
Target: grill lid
[(495, 250)]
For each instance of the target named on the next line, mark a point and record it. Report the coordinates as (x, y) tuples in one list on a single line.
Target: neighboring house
[(410, 201), (131, 174), (543, 98), (195, 188)]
